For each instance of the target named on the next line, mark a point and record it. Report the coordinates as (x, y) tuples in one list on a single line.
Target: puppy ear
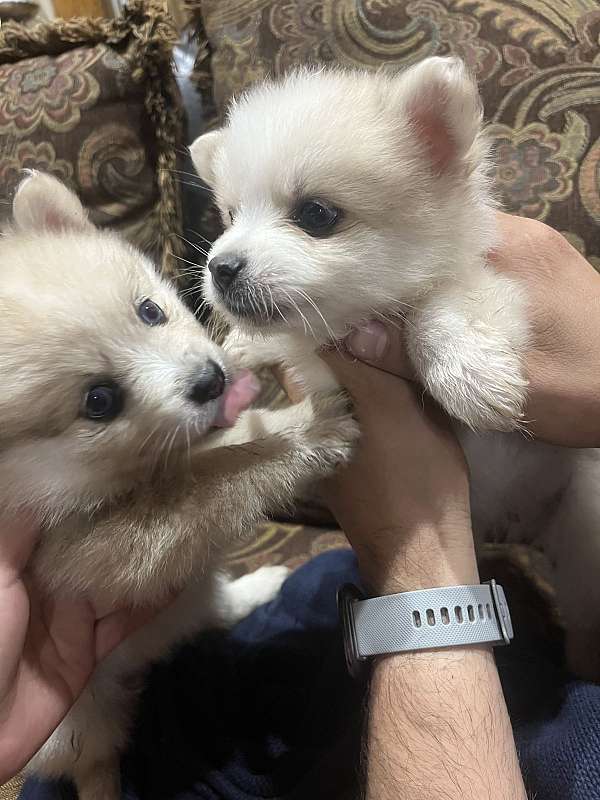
[(44, 203), (441, 102), (203, 152)]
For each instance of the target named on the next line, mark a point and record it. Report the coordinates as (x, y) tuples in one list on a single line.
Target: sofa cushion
[(95, 103)]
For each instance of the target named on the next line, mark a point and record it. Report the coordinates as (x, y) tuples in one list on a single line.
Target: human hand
[(48, 650), (403, 502), (563, 362)]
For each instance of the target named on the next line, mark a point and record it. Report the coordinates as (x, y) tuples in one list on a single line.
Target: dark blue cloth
[(561, 754), (268, 711)]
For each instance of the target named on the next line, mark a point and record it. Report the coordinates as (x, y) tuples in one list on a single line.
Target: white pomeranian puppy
[(111, 392), (352, 195)]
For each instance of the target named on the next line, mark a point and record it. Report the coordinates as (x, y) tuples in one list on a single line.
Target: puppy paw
[(247, 353), (466, 346), (485, 390), (334, 431), (254, 590)]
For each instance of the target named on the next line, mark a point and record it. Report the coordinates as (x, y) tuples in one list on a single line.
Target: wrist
[(426, 557)]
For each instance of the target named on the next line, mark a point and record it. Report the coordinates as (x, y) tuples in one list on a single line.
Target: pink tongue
[(237, 397)]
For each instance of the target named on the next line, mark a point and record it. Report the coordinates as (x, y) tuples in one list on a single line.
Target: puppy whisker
[(268, 310), (303, 317), (187, 273), (189, 444), (170, 445), (193, 289), (149, 437), (157, 453), (276, 306), (300, 314), (252, 300), (385, 318), (216, 327), (395, 302), (186, 261), (193, 184), (185, 172), (191, 244), (203, 238), (328, 327)]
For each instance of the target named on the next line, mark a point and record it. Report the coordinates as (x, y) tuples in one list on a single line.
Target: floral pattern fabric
[(538, 66), (72, 116), (48, 92)]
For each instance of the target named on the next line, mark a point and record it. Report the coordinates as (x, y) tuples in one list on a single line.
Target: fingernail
[(369, 342)]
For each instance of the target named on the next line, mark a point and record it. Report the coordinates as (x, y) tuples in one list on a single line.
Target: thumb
[(18, 536), (381, 346)]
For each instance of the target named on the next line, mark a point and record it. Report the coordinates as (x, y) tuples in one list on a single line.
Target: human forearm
[(438, 727), (438, 724)]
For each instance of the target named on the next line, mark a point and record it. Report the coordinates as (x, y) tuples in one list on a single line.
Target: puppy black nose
[(225, 268), (209, 384)]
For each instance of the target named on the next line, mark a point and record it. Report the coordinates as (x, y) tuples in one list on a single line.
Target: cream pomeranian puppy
[(352, 195), (111, 392)]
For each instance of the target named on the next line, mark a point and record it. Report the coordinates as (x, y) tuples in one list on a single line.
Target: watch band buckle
[(347, 595), (501, 611)]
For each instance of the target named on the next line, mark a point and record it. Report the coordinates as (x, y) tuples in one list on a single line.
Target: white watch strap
[(430, 618)]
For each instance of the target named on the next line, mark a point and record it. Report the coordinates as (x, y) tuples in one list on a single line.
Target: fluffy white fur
[(405, 159), (146, 504)]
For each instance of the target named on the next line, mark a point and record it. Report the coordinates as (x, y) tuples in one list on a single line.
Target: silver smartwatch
[(451, 616)]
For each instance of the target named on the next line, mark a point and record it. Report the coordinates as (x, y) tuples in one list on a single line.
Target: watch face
[(346, 596)]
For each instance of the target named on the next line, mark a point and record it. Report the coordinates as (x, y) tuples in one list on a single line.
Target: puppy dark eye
[(103, 402), (316, 217), (230, 212), (151, 314)]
